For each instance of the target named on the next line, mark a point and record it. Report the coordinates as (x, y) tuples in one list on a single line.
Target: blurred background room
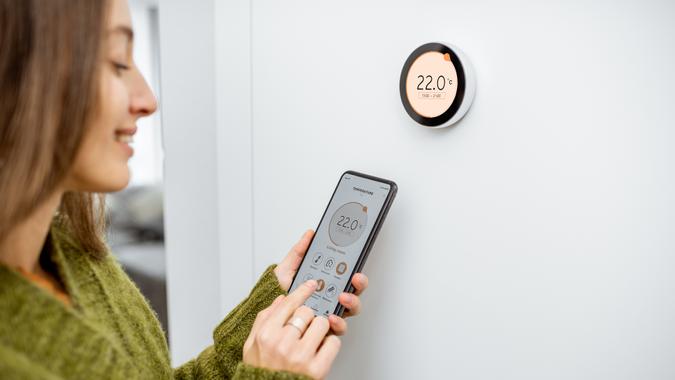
[(136, 221)]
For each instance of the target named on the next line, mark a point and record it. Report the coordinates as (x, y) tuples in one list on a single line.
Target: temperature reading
[(345, 222), (440, 83)]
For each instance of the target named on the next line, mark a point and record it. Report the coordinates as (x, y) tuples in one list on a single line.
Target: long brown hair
[(50, 54)]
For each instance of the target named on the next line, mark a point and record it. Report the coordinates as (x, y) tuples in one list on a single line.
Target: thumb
[(289, 265), (292, 260)]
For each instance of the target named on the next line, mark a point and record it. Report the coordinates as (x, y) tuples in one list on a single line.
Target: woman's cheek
[(101, 164), (117, 117)]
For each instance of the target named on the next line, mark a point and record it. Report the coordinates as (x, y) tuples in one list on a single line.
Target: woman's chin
[(112, 182), (117, 184), (116, 188)]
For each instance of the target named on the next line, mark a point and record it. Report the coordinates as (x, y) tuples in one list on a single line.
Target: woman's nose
[(143, 101)]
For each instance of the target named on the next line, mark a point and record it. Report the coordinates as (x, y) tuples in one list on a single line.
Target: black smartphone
[(343, 239)]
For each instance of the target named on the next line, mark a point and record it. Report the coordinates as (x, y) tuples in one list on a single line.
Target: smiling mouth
[(125, 135), (124, 138)]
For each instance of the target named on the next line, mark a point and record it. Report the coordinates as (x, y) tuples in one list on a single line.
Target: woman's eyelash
[(119, 67)]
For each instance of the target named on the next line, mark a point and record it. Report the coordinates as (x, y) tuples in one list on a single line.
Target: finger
[(293, 301), (360, 283), (275, 304), (306, 315), (337, 324), (351, 302), (314, 335), (327, 353)]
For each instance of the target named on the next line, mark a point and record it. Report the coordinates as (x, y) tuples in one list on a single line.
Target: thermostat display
[(436, 85)]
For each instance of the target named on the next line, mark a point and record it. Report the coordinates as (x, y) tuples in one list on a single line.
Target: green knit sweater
[(110, 332)]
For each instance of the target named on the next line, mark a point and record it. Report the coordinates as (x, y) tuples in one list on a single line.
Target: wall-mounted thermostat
[(437, 85)]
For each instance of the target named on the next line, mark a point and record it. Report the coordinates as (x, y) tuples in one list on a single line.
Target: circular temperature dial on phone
[(348, 223)]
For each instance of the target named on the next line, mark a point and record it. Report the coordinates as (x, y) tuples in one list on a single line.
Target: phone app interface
[(340, 238)]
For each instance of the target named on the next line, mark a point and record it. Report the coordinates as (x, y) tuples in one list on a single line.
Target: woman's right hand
[(301, 347)]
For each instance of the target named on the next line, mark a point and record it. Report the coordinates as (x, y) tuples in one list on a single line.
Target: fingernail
[(312, 284)]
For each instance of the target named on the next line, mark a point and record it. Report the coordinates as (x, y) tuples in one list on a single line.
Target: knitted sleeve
[(223, 360)]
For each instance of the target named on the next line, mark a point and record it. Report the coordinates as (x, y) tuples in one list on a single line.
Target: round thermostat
[(437, 85)]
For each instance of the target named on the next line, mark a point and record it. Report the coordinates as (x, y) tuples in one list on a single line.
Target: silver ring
[(298, 323)]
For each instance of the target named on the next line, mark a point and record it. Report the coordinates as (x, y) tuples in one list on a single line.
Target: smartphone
[(343, 239)]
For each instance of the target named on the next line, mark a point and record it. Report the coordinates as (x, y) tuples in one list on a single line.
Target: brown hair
[(50, 54)]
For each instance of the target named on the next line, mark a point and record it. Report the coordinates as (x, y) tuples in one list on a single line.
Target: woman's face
[(101, 164)]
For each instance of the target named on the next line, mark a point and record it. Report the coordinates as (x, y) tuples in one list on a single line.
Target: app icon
[(331, 290), (341, 268), (330, 262), (321, 285), (318, 258)]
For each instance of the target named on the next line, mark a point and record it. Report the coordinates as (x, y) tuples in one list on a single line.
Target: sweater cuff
[(266, 289), (247, 372), (230, 335), (262, 295)]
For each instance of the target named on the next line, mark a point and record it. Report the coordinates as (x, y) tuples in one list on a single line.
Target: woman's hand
[(286, 270), (286, 336)]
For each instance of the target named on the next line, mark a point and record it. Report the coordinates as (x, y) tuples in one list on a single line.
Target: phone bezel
[(363, 256)]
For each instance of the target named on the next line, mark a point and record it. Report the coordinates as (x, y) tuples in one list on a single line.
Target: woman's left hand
[(286, 270)]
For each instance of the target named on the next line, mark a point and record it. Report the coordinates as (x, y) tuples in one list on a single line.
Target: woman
[(70, 97)]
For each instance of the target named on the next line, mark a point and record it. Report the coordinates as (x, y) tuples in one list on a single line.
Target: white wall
[(206, 140), (534, 239)]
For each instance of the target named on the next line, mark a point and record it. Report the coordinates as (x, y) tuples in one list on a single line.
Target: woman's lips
[(125, 136), (126, 131)]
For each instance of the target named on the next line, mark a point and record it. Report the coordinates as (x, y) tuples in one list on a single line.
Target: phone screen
[(340, 239)]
